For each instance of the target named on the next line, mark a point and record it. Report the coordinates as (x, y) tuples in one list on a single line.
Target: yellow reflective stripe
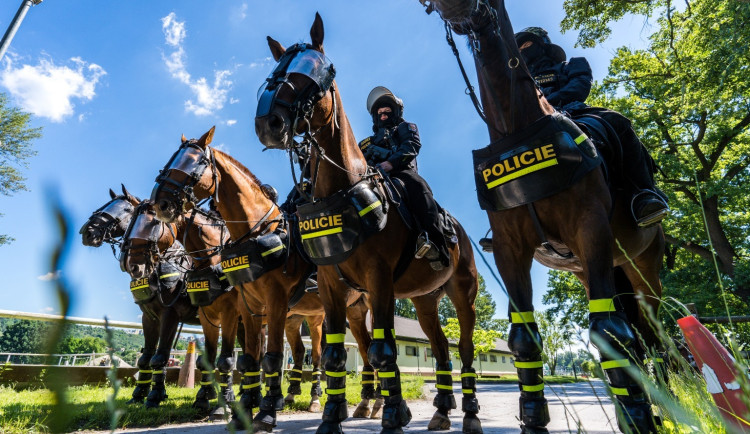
[(206, 383), (391, 374), (469, 374), (335, 374), (250, 374), (145, 371), (295, 378), (296, 370), (367, 373), (223, 277), (443, 373), (322, 233), (268, 252), (529, 365), (335, 391), (620, 391), (139, 287), (206, 372), (611, 364), (164, 276), (239, 267), (385, 393), (467, 391), (369, 382), (378, 334), (335, 338), (534, 388), (374, 205), (272, 374), (197, 289), (444, 386), (522, 172), (580, 139), (250, 386), (143, 381), (223, 384), (521, 317), (601, 305)]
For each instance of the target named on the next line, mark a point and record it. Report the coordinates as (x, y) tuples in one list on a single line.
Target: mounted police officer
[(566, 85), (394, 148)]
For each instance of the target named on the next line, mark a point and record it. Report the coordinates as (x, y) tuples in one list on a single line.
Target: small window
[(398, 350), (503, 359), (493, 359), (412, 351), (428, 352), (511, 360), (483, 357)]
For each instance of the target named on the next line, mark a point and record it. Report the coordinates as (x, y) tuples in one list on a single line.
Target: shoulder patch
[(365, 143), (413, 127)]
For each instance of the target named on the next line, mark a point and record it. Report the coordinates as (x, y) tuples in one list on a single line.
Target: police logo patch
[(413, 127)]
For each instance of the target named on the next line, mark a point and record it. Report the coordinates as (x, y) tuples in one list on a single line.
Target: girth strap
[(540, 232)]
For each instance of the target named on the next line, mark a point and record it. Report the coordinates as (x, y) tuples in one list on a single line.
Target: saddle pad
[(539, 161), (247, 261)]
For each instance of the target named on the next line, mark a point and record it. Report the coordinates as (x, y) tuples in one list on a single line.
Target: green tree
[(446, 310), (405, 308), (566, 298), (688, 95), (15, 149), (87, 344), (484, 340), (556, 336), (484, 307), (24, 337)]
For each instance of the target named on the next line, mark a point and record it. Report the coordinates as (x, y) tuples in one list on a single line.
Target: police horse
[(271, 276), (541, 183), (356, 236)]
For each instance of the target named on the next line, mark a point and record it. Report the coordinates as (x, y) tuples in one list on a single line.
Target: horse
[(274, 287), (110, 221), (302, 98), (609, 253)]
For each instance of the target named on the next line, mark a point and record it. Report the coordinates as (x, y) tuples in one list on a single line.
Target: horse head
[(189, 176), (110, 221), (147, 243), (297, 97)]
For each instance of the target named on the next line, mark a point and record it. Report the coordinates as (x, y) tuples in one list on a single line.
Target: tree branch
[(727, 138), (690, 247)]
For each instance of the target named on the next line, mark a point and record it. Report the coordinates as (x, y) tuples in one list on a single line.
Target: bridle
[(193, 170), (303, 59), (113, 215)]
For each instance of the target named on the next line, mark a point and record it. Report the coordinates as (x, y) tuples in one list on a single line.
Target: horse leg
[(609, 329), (462, 289), (357, 316), (247, 364), (444, 401), (150, 337), (513, 258), (293, 337), (225, 363), (167, 332), (207, 391), (315, 324), (333, 295), (382, 352)]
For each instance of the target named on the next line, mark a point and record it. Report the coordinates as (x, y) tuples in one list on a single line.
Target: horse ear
[(277, 50), (125, 191), (112, 194), (317, 33), (206, 139), (183, 139)]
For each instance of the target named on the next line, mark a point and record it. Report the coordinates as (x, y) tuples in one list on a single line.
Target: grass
[(30, 410)]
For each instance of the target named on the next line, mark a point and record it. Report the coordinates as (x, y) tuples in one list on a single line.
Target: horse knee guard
[(610, 328), (534, 412), (158, 361), (225, 363), (381, 353), (334, 358), (272, 362), (144, 362), (525, 341)]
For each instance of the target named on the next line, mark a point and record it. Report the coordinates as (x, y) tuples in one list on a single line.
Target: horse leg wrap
[(368, 383), (273, 400), (526, 344), (315, 389), (382, 352), (334, 362), (294, 376), (143, 383), (207, 391), (158, 390), (225, 364), (250, 370), (444, 400), (469, 403), (396, 413)]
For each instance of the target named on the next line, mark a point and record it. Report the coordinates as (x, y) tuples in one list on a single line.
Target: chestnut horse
[(301, 98), (584, 218), (197, 172)]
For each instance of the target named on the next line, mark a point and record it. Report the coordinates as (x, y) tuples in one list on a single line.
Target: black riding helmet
[(539, 36), (382, 97)]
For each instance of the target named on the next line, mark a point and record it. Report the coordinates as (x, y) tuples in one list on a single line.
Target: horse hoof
[(220, 413), (235, 425), (135, 401), (439, 422), (289, 399), (262, 426), (329, 428), (392, 431), (201, 404), (377, 409), (472, 424), (152, 404), (314, 407), (533, 430), (362, 410)]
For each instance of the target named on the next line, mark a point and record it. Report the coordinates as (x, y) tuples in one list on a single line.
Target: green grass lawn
[(29, 410)]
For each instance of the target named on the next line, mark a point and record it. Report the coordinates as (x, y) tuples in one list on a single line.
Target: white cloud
[(243, 11), (47, 89), (208, 97), (50, 276), (81, 117), (234, 100), (266, 61), (48, 309), (231, 122)]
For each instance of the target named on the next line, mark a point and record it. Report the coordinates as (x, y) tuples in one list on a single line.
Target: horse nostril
[(164, 205), (275, 122)]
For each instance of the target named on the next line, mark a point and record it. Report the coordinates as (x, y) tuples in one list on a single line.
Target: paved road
[(570, 405)]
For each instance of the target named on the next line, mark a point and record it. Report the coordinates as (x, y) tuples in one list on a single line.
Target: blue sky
[(115, 84)]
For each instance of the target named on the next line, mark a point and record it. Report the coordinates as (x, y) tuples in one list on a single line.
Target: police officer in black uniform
[(566, 85), (394, 148)]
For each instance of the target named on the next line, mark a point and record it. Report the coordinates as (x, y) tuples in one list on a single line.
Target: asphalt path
[(577, 407)]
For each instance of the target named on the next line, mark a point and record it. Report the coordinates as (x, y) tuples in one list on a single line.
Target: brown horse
[(198, 172), (109, 223), (584, 218), (301, 98)]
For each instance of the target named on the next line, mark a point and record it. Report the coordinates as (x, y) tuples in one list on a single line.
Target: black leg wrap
[(207, 391), (250, 370), (294, 376), (396, 413), (158, 390), (335, 410), (526, 344), (143, 383), (469, 403), (225, 363), (534, 412), (444, 400), (368, 383), (225, 383), (272, 363), (381, 353), (315, 389), (636, 417)]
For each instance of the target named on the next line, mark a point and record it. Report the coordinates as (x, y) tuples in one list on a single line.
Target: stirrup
[(423, 245), (486, 244), (311, 285), (654, 217)]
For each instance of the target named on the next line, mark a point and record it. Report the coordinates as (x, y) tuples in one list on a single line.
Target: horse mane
[(263, 188)]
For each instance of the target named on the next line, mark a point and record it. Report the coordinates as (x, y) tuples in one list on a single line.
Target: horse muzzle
[(166, 210), (273, 131), (92, 237)]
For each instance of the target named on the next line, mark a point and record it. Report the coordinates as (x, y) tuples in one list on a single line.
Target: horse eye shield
[(117, 210)]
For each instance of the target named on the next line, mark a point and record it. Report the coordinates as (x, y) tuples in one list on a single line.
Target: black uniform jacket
[(398, 145)]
